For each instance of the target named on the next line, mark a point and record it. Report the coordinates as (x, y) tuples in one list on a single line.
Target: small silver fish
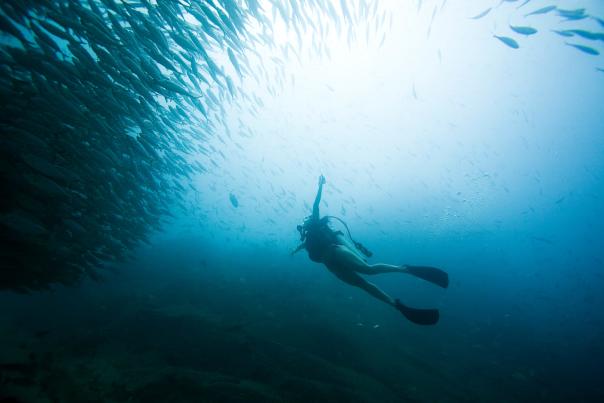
[(480, 15), (584, 49), (543, 10), (523, 30), (508, 41)]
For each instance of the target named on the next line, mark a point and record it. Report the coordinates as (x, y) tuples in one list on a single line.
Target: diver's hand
[(298, 249), (321, 180)]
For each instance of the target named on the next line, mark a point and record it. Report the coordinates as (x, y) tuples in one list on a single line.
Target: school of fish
[(102, 104)]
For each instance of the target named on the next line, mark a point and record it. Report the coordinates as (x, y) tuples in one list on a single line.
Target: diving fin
[(418, 316), (431, 274)]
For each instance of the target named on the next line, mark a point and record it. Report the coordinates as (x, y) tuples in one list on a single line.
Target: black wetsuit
[(319, 238)]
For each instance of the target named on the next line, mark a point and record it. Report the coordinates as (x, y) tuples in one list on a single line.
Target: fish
[(8, 25), (523, 4), (585, 49), (543, 10), (233, 200), (430, 25), (23, 223), (230, 86), (523, 30), (234, 61), (576, 14), (595, 36), (600, 69), (563, 33), (507, 41), (482, 14)]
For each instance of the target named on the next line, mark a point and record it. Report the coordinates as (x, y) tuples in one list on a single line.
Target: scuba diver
[(345, 258)]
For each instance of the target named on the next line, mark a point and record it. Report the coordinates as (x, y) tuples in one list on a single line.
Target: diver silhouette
[(345, 258)]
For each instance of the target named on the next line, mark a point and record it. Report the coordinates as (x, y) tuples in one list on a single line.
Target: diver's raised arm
[(315, 206)]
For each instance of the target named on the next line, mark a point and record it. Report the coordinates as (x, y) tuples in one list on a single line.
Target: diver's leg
[(380, 268), (339, 261), (352, 278), (348, 258), (428, 273), (354, 261), (343, 263)]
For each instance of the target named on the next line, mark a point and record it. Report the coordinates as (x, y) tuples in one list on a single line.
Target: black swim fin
[(431, 274), (418, 316)]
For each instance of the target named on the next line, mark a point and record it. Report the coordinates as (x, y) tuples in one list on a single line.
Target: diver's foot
[(418, 316)]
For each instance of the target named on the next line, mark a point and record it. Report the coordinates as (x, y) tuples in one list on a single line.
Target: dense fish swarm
[(102, 101)]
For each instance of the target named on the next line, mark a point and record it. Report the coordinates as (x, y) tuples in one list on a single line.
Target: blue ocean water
[(442, 145)]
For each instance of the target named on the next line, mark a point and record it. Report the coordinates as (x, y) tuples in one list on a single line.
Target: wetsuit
[(319, 237)]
